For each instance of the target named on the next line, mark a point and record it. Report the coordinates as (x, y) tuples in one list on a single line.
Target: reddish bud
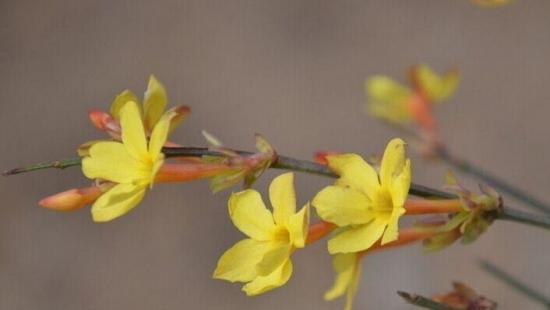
[(105, 122), (73, 199), (321, 156), (189, 170)]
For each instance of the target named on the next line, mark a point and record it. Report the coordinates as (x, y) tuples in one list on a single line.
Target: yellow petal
[(354, 284), (249, 214), (391, 232), (400, 185), (355, 239), (239, 262), (133, 134), (388, 99), (344, 266), (437, 88), (154, 102), (354, 172), (393, 162), (117, 201), (263, 284), (342, 206), (298, 227), (159, 135), (283, 197), (120, 101), (110, 161), (277, 255)]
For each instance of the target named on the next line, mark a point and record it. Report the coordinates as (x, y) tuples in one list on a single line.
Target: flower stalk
[(288, 163)]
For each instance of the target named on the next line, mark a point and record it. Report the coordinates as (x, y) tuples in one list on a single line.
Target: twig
[(492, 180), (288, 163), (423, 302), (515, 283)]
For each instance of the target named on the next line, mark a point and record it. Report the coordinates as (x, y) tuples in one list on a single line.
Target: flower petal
[(133, 134), (159, 135), (354, 172), (283, 197), (298, 227), (263, 284), (249, 214), (400, 185), (342, 206), (355, 239), (388, 99), (354, 284), (391, 232), (239, 262), (117, 201), (277, 255), (393, 162), (436, 87), (343, 265), (111, 161), (154, 102), (120, 101)]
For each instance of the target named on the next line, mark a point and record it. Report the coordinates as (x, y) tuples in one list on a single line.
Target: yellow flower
[(365, 204), (263, 259), (491, 3), (154, 105), (435, 87), (131, 164), (388, 99), (348, 274)]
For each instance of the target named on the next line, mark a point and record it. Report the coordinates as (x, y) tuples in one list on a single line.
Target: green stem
[(423, 302), (492, 180), (515, 283), (288, 163)]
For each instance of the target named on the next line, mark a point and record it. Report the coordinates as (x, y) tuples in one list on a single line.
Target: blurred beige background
[(291, 70)]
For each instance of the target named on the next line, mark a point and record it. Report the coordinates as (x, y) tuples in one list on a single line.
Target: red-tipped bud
[(72, 199), (180, 114), (105, 122), (321, 156)]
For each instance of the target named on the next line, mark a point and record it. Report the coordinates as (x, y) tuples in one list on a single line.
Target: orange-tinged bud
[(72, 199), (318, 230), (105, 122), (180, 114), (190, 170), (321, 156)]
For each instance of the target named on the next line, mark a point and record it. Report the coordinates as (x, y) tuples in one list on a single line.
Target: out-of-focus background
[(292, 70)]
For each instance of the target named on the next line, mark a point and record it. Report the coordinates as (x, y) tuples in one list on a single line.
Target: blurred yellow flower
[(389, 100), (348, 274), (434, 87), (131, 164), (491, 3), (366, 205), (263, 259)]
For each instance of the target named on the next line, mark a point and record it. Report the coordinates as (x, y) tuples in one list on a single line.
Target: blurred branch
[(288, 163), (423, 302), (515, 283), (492, 180)]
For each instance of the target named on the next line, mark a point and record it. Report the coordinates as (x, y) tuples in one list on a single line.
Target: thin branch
[(515, 283), (492, 180), (288, 163), (424, 302)]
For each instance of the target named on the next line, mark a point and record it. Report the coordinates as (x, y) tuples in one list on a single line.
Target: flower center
[(383, 203), (281, 234)]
